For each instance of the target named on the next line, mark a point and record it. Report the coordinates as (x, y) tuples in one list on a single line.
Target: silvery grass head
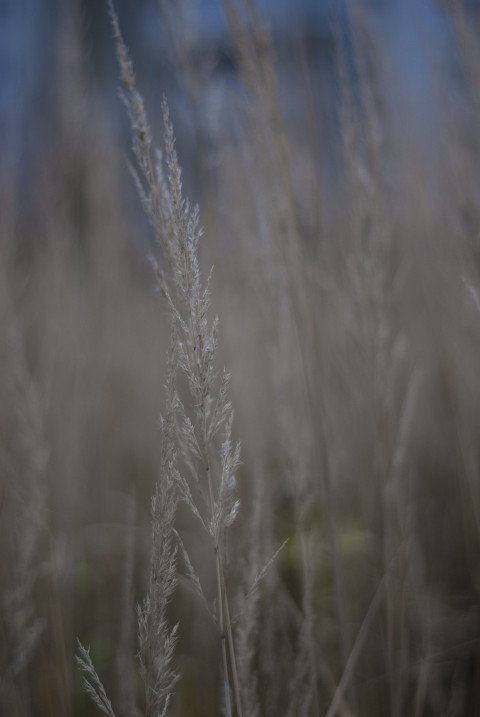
[(198, 458)]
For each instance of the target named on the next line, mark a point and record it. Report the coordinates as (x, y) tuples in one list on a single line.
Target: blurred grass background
[(341, 209)]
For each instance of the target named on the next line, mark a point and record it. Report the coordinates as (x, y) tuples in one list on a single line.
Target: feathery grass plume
[(92, 683), (248, 619), (157, 639), (201, 446), (298, 330)]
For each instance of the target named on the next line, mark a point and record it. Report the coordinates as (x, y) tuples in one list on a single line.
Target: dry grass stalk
[(191, 445)]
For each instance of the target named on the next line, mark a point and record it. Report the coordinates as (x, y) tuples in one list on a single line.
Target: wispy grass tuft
[(198, 456)]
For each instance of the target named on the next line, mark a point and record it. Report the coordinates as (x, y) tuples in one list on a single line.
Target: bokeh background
[(340, 200)]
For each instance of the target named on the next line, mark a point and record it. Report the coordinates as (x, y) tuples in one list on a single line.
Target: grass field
[(312, 544)]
